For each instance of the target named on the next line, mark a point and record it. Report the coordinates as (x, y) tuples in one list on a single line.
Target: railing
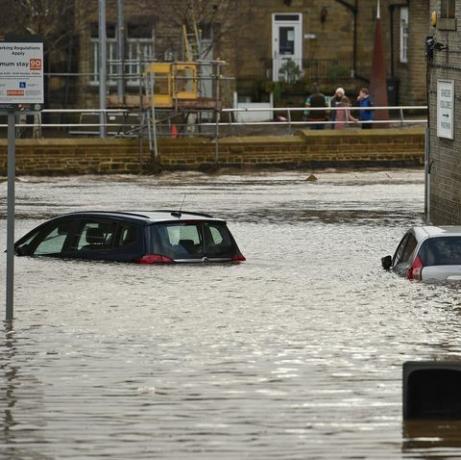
[(130, 121), (316, 69)]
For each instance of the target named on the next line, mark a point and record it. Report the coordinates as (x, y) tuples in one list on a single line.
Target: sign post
[(21, 85), (10, 216)]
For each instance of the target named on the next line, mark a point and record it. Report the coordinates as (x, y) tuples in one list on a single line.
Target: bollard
[(431, 390)]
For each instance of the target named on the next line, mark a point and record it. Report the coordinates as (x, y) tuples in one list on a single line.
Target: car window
[(405, 249), (127, 236), (52, 240), (53, 243), (441, 251), (179, 233), (219, 242), (96, 236), (409, 248), (193, 240)]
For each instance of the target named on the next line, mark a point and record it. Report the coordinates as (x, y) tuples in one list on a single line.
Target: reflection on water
[(432, 434), (295, 354)]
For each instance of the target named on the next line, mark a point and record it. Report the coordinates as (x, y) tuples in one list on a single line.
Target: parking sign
[(21, 73)]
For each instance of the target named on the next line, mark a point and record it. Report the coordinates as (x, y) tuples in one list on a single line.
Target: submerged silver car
[(428, 253)]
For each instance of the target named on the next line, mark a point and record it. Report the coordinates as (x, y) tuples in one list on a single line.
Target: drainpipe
[(354, 9), (354, 46), (391, 25), (120, 52)]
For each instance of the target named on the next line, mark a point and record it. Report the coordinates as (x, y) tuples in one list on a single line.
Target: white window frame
[(138, 51), (404, 24)]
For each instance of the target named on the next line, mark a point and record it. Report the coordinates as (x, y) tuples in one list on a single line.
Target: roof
[(149, 216), (429, 231)]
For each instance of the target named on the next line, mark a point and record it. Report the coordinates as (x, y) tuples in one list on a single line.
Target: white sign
[(21, 73), (445, 108)]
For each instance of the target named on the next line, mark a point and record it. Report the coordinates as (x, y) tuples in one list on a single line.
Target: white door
[(286, 45)]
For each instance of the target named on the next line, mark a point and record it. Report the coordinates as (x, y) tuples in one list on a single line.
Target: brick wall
[(445, 188), (307, 149)]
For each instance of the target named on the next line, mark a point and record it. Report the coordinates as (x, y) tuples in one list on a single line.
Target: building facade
[(444, 75), (329, 42)]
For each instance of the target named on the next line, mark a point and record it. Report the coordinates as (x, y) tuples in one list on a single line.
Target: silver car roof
[(429, 231)]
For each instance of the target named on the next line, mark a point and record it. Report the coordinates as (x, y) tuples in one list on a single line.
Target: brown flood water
[(295, 354)]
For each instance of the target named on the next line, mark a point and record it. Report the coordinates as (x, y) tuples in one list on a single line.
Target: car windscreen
[(441, 251), (193, 240)]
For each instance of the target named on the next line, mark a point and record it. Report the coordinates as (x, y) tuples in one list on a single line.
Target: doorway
[(286, 45)]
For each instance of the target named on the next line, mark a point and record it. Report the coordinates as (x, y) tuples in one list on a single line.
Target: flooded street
[(295, 354)]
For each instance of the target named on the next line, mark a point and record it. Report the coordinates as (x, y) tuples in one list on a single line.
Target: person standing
[(335, 102), (316, 100), (343, 114), (364, 102)]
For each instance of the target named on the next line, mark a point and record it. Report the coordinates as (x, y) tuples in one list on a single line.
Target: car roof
[(149, 217), (430, 231)]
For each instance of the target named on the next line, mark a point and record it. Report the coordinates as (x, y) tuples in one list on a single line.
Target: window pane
[(179, 241), (127, 236), (287, 40), (96, 236), (53, 241), (441, 251), (404, 34), (448, 9), (218, 240), (186, 241), (409, 248)]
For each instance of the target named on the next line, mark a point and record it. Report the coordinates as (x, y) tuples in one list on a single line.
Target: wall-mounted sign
[(445, 108), (21, 73)]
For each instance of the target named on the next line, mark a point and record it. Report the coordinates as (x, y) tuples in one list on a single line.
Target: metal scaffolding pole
[(121, 51), (102, 67)]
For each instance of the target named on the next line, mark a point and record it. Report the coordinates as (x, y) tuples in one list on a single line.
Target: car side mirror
[(386, 262), (22, 250)]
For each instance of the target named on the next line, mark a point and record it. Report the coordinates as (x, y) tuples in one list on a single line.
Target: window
[(405, 249), (52, 242), (193, 240), (441, 251), (404, 34), (139, 48), (127, 236), (287, 40), (96, 236), (448, 9), (218, 240), (48, 240)]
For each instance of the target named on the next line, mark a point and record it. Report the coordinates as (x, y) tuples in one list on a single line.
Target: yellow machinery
[(173, 82)]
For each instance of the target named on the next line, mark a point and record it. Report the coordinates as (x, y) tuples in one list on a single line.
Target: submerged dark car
[(154, 237)]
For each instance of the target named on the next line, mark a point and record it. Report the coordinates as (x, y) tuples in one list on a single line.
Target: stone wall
[(445, 199), (412, 74), (347, 149), (244, 41)]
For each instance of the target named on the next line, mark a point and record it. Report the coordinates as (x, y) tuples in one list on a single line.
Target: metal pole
[(154, 117), (121, 52), (102, 67), (10, 216), (218, 72)]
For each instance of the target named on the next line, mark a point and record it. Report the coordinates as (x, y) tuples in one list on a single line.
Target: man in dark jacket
[(316, 100)]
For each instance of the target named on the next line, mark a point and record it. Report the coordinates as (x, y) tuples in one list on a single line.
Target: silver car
[(428, 254)]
